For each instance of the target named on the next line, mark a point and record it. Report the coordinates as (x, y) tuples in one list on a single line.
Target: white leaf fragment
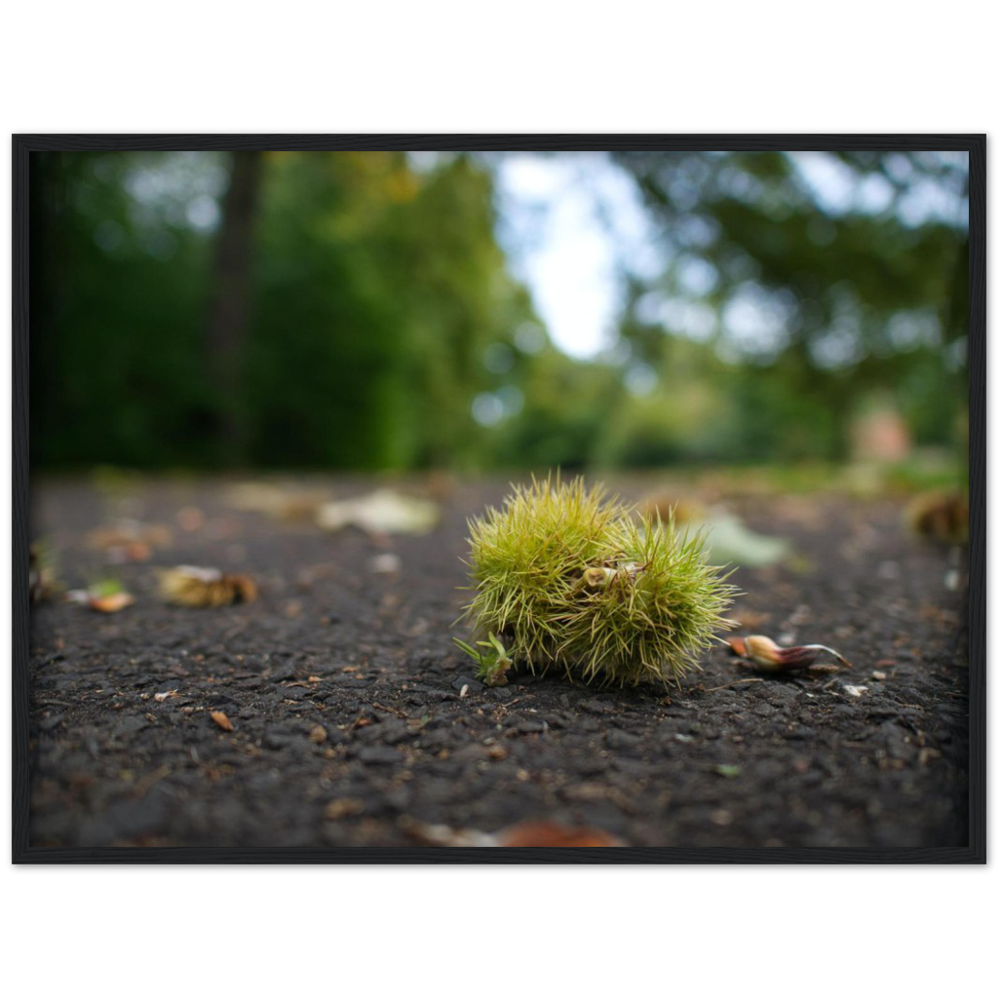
[(382, 512)]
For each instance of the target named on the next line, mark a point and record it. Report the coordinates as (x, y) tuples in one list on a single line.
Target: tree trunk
[(230, 315)]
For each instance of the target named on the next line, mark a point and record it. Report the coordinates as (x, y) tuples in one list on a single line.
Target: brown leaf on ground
[(339, 808), (941, 517), (129, 541), (43, 584), (543, 834), (532, 833), (202, 587), (282, 502), (221, 720)]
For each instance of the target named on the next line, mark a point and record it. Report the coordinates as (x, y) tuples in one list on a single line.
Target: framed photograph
[(499, 499)]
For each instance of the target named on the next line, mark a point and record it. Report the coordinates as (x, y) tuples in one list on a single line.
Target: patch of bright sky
[(569, 223), (182, 187), (838, 189), (756, 323)]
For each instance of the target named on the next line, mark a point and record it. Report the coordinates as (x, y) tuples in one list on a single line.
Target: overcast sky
[(565, 223)]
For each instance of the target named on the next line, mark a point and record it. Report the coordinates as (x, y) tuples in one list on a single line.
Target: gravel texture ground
[(354, 717)]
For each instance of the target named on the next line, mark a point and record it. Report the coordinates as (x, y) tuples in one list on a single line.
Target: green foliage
[(492, 661), (565, 413), (566, 578), (116, 319), (382, 310), (376, 291), (814, 301)]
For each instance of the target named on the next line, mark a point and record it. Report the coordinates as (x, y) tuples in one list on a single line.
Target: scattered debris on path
[(201, 587), (384, 512), (766, 655)]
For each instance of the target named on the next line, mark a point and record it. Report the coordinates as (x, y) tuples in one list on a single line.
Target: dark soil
[(346, 695)]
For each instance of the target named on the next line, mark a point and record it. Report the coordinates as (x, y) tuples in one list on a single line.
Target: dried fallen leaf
[(43, 583), (164, 695), (129, 540), (317, 734), (276, 500), (221, 720), (339, 808), (543, 834), (381, 512), (941, 517), (202, 587), (533, 833)]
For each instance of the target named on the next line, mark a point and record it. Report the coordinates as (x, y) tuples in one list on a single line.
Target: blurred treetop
[(374, 291), (355, 310)]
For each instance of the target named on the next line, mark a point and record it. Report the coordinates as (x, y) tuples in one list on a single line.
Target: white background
[(345, 933), (519, 61), (481, 933)]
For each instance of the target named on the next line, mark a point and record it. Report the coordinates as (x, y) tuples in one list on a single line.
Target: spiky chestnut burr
[(564, 578)]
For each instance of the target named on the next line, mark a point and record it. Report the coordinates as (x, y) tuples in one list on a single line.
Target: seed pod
[(570, 580), (769, 657)]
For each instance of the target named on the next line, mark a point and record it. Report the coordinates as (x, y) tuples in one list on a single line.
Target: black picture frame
[(974, 853)]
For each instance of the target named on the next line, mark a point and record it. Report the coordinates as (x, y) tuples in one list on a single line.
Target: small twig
[(388, 708), (145, 783), (747, 680)]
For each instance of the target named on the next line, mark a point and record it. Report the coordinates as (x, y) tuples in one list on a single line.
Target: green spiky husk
[(569, 579)]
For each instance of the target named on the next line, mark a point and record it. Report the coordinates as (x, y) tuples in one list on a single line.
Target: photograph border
[(975, 144)]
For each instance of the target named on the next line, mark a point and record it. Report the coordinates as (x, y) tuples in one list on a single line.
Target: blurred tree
[(356, 335), (567, 405), (230, 315), (376, 325), (118, 283), (380, 290), (819, 277)]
